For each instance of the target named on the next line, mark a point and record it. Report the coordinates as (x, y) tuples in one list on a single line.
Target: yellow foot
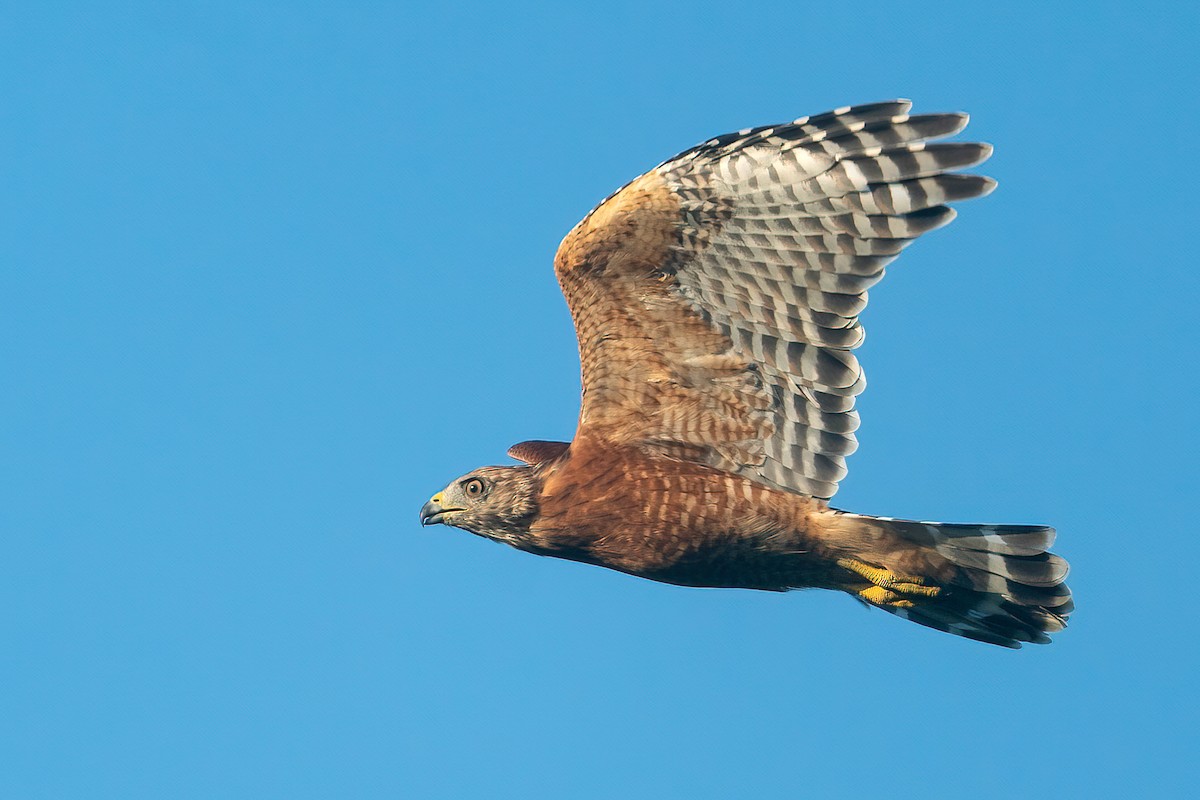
[(887, 588), (879, 596)]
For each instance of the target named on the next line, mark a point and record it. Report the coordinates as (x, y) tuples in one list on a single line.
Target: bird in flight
[(716, 300)]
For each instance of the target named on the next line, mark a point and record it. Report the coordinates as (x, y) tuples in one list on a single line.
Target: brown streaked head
[(496, 502)]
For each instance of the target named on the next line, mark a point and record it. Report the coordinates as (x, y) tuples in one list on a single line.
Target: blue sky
[(271, 274)]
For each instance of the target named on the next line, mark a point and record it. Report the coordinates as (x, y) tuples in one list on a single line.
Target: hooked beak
[(432, 512)]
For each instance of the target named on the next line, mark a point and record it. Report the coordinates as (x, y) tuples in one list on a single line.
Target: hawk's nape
[(716, 301)]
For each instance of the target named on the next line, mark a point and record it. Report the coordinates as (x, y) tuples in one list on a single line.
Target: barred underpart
[(784, 228)]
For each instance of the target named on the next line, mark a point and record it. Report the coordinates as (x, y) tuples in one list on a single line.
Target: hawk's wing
[(716, 297)]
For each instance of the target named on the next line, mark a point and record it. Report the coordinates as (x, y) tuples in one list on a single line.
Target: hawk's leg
[(888, 588)]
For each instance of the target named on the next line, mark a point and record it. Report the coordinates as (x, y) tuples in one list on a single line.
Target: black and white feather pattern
[(1000, 582), (785, 228)]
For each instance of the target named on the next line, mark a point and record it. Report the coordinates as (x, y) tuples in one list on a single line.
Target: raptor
[(716, 300)]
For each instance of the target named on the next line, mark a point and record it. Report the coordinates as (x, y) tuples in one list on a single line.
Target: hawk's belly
[(766, 571), (727, 559)]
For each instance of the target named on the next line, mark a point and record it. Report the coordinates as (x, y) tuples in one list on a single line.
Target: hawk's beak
[(432, 512)]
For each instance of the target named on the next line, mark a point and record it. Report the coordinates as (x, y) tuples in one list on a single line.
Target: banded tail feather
[(993, 583)]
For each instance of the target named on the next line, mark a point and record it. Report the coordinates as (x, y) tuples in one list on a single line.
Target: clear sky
[(273, 273)]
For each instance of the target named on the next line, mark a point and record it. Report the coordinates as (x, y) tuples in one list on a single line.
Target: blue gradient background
[(271, 274)]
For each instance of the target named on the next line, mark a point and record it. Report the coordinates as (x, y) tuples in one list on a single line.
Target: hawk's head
[(496, 502)]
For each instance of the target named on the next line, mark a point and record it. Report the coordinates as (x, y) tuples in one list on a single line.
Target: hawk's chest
[(654, 516)]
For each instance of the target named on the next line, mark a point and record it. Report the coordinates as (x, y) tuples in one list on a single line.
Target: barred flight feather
[(810, 214)]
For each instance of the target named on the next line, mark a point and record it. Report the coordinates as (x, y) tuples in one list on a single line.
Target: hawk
[(716, 300)]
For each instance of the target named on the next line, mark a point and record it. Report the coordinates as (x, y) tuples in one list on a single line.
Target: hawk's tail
[(994, 583)]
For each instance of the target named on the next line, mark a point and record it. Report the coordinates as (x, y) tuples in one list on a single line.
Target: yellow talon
[(888, 588), (879, 596)]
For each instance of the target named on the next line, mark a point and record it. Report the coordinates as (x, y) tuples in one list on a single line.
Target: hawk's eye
[(473, 487)]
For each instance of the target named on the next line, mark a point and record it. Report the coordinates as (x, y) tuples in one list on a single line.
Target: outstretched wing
[(716, 297)]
